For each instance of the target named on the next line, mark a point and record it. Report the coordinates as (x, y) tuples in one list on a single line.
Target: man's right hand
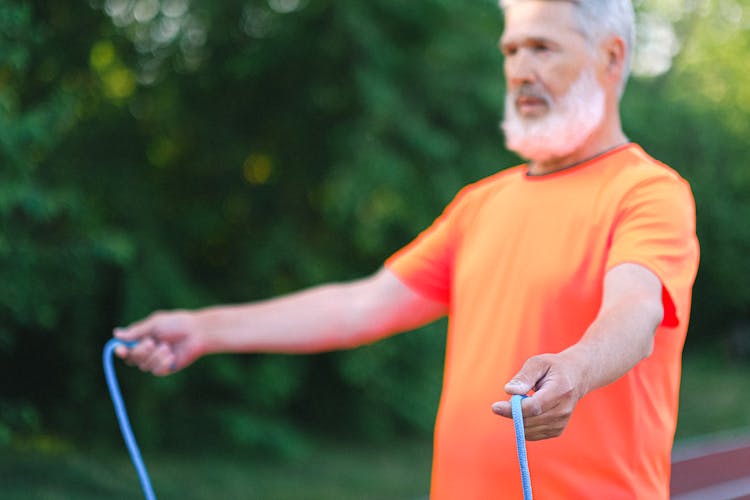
[(167, 342)]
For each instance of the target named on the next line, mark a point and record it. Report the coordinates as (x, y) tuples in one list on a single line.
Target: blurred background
[(159, 154)]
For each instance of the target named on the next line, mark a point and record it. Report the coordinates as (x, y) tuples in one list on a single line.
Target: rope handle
[(515, 407), (122, 415)]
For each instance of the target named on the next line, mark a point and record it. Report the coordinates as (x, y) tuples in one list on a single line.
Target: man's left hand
[(558, 387)]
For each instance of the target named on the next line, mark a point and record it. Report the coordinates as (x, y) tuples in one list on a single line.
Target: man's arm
[(328, 317), (621, 335)]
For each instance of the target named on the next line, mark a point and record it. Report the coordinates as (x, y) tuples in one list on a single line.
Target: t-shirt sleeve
[(656, 228), (425, 265)]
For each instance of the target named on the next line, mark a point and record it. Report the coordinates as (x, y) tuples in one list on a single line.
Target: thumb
[(526, 379), (518, 386)]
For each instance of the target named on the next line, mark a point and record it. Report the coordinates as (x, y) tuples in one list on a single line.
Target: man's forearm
[(328, 317), (318, 319), (616, 341)]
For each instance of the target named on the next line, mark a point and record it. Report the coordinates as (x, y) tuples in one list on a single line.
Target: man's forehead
[(506, 4), (540, 19)]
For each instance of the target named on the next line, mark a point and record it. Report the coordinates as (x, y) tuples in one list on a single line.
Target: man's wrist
[(204, 329), (578, 358)]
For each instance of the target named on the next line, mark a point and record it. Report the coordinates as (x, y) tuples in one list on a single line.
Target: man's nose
[(520, 68)]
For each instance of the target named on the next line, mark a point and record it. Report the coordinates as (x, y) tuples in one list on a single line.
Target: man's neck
[(594, 147)]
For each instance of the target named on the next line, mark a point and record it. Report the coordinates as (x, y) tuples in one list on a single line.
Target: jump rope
[(122, 416), (135, 453)]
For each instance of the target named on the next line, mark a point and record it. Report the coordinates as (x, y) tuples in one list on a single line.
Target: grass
[(328, 471), (713, 401), (713, 395)]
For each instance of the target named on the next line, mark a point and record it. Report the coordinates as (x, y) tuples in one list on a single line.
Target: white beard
[(567, 125)]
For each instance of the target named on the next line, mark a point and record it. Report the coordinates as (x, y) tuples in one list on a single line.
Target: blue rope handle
[(122, 416), (515, 408)]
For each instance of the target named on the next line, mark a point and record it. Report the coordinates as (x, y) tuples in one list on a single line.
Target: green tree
[(172, 153), (226, 152), (53, 247), (695, 117)]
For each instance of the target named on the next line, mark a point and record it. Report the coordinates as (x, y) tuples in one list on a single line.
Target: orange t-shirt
[(520, 261)]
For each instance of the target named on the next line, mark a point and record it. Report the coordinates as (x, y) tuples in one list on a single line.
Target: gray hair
[(602, 18)]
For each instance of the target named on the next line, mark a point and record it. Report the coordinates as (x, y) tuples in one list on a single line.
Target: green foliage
[(173, 154), (729, 410), (53, 247), (262, 151), (695, 118)]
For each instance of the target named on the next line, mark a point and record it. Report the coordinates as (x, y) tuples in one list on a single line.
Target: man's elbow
[(653, 313), (364, 319)]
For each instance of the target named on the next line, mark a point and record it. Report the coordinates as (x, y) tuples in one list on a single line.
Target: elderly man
[(568, 277)]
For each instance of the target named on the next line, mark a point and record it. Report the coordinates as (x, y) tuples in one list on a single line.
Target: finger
[(167, 366), (156, 358), (535, 428), (551, 417), (137, 330), (545, 430), (139, 354), (502, 408), (121, 351), (554, 393), (549, 424), (528, 410), (533, 432), (545, 433), (533, 370)]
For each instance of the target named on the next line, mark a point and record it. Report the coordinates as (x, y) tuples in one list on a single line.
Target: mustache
[(529, 90)]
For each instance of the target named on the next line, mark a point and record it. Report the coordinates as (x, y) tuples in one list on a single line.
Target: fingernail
[(498, 409)]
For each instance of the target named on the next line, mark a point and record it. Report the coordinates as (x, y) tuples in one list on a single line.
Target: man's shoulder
[(490, 184), (635, 164), (636, 176)]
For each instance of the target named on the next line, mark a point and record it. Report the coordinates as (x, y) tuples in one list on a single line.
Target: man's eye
[(540, 48)]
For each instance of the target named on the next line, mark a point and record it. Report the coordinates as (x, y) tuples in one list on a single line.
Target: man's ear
[(615, 54)]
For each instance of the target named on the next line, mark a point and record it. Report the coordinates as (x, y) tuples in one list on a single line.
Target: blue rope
[(515, 407), (135, 454), (122, 416)]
